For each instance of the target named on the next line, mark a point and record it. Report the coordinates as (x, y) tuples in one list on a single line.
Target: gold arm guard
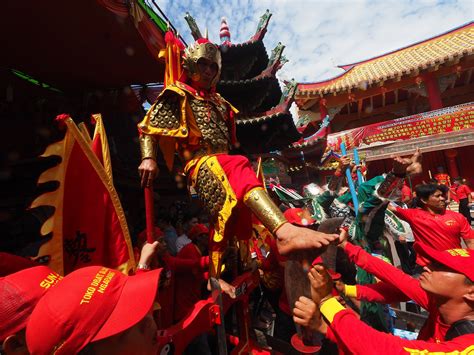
[(148, 146), (265, 209)]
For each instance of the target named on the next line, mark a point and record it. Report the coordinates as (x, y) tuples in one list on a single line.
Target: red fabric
[(19, 294), (10, 263), (367, 340), (283, 301), (459, 192), (90, 304), (433, 329), (297, 216), (242, 179), (188, 284), (406, 193), (443, 179), (381, 292), (92, 233), (440, 231), (142, 235), (459, 260), (198, 230)]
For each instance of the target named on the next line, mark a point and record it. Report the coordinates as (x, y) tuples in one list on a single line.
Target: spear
[(352, 189)]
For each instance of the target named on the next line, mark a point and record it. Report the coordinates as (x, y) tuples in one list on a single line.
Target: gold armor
[(210, 190), (181, 113), (210, 119), (265, 209)]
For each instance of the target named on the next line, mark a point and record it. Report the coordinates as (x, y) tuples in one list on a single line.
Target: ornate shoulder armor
[(167, 115)]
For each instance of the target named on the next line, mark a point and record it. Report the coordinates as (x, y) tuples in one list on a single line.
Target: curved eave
[(423, 55), (255, 54), (314, 149), (251, 95), (350, 66)]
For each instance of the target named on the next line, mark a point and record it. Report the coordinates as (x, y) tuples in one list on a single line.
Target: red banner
[(445, 120), (88, 226)]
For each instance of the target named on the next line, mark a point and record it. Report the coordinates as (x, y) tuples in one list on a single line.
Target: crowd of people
[(349, 278), (42, 312)]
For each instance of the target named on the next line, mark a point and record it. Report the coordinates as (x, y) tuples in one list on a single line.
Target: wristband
[(143, 267)]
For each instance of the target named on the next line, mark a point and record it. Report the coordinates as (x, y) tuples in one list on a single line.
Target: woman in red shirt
[(462, 194)]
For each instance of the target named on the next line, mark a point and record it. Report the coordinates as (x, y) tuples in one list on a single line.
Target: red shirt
[(433, 329), (367, 340), (440, 231), (187, 284), (459, 192)]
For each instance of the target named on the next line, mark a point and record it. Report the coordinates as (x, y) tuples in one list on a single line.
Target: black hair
[(423, 192)]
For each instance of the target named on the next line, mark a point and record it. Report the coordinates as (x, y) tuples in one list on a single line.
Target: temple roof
[(267, 131), (419, 56)]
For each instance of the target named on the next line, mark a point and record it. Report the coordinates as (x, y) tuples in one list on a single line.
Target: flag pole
[(350, 182), (149, 213)]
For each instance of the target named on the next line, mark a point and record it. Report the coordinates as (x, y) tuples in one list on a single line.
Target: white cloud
[(321, 34)]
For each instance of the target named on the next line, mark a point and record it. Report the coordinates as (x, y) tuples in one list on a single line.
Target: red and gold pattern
[(88, 226)]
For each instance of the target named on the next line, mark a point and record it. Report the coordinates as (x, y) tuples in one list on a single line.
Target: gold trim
[(265, 209), (100, 133), (55, 198), (181, 131), (148, 146), (230, 201), (85, 132)]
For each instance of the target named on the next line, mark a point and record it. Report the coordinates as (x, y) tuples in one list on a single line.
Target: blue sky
[(319, 35)]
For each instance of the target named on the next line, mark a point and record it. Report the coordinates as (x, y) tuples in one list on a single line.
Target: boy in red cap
[(448, 279), (96, 309), (19, 294)]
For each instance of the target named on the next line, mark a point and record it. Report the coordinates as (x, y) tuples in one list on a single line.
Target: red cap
[(142, 236), (334, 275), (296, 216), (90, 304), (459, 260), (197, 230), (19, 294), (10, 263)]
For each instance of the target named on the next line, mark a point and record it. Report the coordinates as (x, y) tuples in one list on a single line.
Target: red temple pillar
[(432, 89), (451, 155), (323, 110)]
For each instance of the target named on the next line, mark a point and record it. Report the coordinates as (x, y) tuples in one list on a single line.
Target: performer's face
[(436, 201), (207, 72)]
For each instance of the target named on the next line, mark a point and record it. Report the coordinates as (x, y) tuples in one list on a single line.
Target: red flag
[(88, 226)]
